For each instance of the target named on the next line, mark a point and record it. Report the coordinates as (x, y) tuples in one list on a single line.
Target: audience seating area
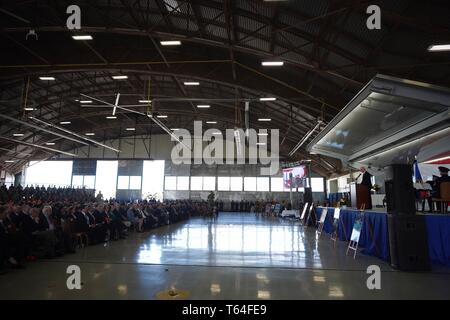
[(42, 223)]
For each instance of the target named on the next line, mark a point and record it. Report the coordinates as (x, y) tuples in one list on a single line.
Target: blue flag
[(417, 174)]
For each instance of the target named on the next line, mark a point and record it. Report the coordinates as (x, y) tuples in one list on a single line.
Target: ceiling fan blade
[(92, 98), (116, 104)]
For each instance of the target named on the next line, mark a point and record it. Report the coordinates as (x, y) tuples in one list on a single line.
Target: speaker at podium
[(360, 196)]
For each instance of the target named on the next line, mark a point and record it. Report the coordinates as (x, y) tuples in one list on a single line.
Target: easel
[(356, 233), (334, 234), (337, 222), (302, 217), (323, 216), (311, 211)]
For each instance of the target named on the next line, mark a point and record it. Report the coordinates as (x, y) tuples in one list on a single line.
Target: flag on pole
[(417, 174)]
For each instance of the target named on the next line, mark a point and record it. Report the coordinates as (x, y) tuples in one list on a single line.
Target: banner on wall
[(295, 177)]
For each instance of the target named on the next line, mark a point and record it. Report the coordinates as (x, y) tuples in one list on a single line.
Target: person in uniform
[(437, 185)]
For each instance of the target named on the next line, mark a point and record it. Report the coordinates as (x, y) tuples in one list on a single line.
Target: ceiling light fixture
[(439, 47), (211, 122), (90, 134), (18, 134), (267, 99), (161, 116), (145, 101), (203, 106), (170, 43), (50, 143), (111, 117), (130, 129), (9, 161), (191, 83), (120, 77), (86, 101), (65, 122), (272, 63), (264, 119), (263, 134), (29, 109), (47, 78), (82, 37), (260, 143)]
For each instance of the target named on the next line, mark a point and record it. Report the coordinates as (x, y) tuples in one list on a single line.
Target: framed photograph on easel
[(356, 233), (322, 220), (334, 233)]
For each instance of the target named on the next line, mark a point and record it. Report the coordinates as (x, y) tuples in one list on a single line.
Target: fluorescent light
[(175, 129), (267, 99), (272, 63), (29, 109), (120, 77), (439, 47), (260, 143), (170, 43), (264, 119), (65, 122), (47, 78), (82, 37), (191, 83), (203, 106), (145, 101), (161, 116), (211, 122), (18, 134), (111, 117), (9, 161), (130, 129), (50, 143), (263, 134), (86, 101), (90, 134)]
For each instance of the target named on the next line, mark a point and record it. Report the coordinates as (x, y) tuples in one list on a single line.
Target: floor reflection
[(235, 240)]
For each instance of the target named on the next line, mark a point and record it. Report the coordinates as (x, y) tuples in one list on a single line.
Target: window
[(87, 182), (236, 183), (135, 183), (262, 184), (153, 179), (196, 183), (106, 178), (183, 183), (129, 183), (49, 173), (250, 184), (170, 183), (317, 185), (223, 183), (172, 5), (276, 184), (209, 183), (77, 181), (122, 182)]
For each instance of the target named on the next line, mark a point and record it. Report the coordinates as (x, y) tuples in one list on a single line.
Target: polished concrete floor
[(239, 256)]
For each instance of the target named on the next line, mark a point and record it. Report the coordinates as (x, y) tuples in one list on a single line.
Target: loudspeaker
[(400, 196), (307, 197), (408, 242)]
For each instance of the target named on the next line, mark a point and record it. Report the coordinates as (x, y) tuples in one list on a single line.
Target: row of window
[(198, 183)]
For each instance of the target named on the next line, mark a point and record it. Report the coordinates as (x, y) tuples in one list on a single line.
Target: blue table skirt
[(375, 238), (438, 229), (374, 233)]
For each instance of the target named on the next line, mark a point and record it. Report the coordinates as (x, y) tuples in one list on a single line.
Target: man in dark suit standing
[(367, 182)]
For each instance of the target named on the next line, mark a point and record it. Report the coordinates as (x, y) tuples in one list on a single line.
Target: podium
[(360, 194)]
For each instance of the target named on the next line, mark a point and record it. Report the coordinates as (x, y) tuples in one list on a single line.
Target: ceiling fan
[(148, 114)]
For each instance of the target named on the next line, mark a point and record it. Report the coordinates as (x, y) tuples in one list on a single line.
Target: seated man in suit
[(12, 244), (38, 233)]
